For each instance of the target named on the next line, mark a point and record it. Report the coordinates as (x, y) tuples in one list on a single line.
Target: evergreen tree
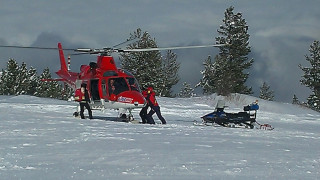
[(311, 77), (208, 79), (1, 82), (17, 80), (186, 91), (33, 81), (265, 92), (67, 92), (23, 80), (170, 68), (313, 102), (148, 67), (295, 100), (49, 89), (145, 66), (232, 60), (9, 78)]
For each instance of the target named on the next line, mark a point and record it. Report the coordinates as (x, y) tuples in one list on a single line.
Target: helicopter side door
[(94, 89), (104, 88)]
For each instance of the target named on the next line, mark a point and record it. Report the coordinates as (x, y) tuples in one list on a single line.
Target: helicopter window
[(110, 73), (128, 73), (133, 83), (117, 85)]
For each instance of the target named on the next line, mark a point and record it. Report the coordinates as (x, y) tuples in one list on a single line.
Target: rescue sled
[(245, 119)]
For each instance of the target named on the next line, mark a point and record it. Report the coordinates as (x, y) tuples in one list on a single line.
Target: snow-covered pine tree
[(233, 57), (8, 85), (1, 82), (49, 89), (208, 77), (145, 66), (311, 76), (186, 91), (23, 81), (169, 73), (149, 68), (18, 79), (265, 92), (313, 102), (67, 92), (33, 81)]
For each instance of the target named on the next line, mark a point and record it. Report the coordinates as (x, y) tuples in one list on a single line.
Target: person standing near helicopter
[(144, 111), (82, 96), (155, 108)]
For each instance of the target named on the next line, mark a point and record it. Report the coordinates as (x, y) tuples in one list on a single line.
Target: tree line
[(225, 73), (19, 80)]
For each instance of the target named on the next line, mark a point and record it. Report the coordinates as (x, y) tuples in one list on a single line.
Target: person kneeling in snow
[(82, 96), (152, 102)]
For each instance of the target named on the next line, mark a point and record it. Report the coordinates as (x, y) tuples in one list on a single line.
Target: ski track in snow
[(40, 139)]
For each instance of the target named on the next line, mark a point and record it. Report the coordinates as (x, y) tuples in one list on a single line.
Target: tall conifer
[(149, 67), (9, 78), (311, 76), (232, 62)]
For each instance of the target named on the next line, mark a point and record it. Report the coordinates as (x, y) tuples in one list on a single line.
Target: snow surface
[(40, 139)]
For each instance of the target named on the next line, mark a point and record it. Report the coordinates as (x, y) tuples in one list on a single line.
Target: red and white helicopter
[(109, 87)]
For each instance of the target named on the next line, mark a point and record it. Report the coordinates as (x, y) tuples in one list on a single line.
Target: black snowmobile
[(245, 119)]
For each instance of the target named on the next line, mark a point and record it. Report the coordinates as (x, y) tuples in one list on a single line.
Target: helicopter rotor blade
[(128, 41), (82, 51), (171, 48), (35, 47), (91, 51)]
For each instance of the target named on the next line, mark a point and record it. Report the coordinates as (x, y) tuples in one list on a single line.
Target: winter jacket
[(151, 98), (145, 93), (82, 97)]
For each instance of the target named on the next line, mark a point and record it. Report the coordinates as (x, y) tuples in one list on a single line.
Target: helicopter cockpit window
[(128, 73), (117, 86), (133, 83), (110, 73)]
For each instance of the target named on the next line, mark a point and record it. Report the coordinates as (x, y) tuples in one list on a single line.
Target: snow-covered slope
[(39, 139)]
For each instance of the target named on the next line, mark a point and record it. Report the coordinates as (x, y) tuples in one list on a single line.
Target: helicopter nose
[(135, 97)]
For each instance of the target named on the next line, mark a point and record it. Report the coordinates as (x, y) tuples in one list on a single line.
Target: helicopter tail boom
[(66, 76), (62, 59)]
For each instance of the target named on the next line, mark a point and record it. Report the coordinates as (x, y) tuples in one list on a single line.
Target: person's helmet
[(149, 89), (84, 85)]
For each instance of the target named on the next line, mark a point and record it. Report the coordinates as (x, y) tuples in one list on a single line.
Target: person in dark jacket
[(82, 96), (155, 108), (144, 111)]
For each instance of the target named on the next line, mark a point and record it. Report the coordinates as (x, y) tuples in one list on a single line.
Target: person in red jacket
[(82, 96), (155, 108)]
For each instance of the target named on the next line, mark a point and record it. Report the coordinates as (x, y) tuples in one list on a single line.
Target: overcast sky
[(281, 33)]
